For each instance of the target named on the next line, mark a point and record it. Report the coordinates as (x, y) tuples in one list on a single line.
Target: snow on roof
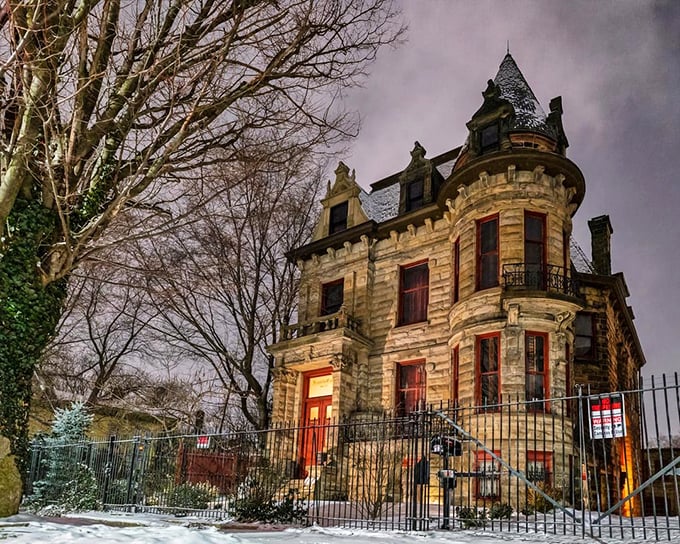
[(528, 111), (381, 204)]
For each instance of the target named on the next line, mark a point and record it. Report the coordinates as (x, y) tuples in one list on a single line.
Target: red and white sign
[(607, 416), (202, 442)]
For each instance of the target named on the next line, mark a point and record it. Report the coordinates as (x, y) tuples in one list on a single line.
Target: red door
[(316, 416)]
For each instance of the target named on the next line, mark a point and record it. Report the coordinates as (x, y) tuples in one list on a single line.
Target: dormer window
[(338, 218), (415, 192), (489, 138)]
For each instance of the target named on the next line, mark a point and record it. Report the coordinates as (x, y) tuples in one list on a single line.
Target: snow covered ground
[(101, 528)]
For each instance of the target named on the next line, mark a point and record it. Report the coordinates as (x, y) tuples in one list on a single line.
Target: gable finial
[(507, 47)]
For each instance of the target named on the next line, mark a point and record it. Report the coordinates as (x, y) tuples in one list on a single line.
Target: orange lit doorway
[(317, 411)]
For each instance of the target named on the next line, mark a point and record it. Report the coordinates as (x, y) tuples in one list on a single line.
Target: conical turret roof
[(529, 114)]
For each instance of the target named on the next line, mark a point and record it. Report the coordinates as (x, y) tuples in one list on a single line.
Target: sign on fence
[(202, 442), (607, 416)]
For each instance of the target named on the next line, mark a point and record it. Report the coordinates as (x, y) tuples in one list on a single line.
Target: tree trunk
[(29, 312)]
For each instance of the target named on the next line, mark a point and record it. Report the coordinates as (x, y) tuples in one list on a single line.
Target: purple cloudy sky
[(616, 65)]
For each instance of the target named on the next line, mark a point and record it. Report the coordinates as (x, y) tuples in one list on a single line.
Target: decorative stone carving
[(284, 375), (344, 181), (563, 320), (511, 173), (513, 315), (344, 360), (538, 173)]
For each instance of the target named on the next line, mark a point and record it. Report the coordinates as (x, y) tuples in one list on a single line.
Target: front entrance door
[(316, 415)]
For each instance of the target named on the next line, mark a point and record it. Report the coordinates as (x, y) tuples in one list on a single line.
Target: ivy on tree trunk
[(29, 312)]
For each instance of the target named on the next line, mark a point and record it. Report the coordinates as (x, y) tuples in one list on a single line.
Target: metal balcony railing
[(539, 278), (338, 320)]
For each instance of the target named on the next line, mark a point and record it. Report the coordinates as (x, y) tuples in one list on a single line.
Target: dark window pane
[(456, 271), (583, 346), (332, 295), (488, 356), (489, 389), (338, 219), (414, 195), (413, 297), (584, 325), (583, 339), (489, 236), (535, 352), (533, 228), (489, 277), (489, 138), (533, 254)]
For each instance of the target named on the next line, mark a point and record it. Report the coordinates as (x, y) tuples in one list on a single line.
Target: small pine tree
[(68, 483)]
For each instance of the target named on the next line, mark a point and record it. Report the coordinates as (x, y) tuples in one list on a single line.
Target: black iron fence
[(539, 277), (604, 465)]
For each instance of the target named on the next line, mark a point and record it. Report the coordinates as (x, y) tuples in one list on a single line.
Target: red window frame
[(456, 271), (482, 461), (533, 372), (326, 288), (413, 298), (535, 246), (544, 457), (489, 371), (487, 257), (455, 378), (410, 396)]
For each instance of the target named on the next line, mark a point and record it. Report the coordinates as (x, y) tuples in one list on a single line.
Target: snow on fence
[(605, 465)]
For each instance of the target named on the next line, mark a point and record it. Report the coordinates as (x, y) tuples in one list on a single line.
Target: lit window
[(488, 370), (332, 295), (487, 252), (338, 218), (411, 381), (413, 293), (536, 357)]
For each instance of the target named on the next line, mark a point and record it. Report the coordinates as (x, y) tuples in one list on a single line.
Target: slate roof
[(382, 203), (529, 114)]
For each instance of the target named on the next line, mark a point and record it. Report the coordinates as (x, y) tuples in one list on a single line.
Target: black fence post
[(131, 475), (108, 469)]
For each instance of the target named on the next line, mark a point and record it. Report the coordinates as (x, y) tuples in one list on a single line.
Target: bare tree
[(224, 285), (104, 104), (97, 352)]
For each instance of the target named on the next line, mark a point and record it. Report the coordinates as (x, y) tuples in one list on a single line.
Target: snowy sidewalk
[(120, 528)]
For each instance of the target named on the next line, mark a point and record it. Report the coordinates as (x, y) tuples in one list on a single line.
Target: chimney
[(601, 249)]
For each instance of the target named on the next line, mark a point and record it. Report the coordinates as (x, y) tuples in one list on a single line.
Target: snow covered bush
[(69, 484), (194, 496)]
